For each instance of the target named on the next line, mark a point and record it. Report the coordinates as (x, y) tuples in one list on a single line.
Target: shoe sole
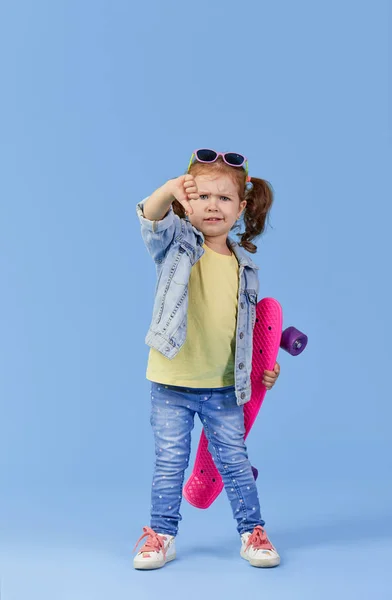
[(274, 562), (146, 566)]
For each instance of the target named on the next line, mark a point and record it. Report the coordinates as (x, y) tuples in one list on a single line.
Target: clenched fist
[(270, 377), (184, 189)]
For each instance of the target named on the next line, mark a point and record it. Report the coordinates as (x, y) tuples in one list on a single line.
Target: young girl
[(201, 339)]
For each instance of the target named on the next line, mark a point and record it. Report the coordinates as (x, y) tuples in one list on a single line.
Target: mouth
[(213, 220)]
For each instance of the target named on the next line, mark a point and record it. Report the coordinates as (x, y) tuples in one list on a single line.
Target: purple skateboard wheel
[(255, 473), (293, 341)]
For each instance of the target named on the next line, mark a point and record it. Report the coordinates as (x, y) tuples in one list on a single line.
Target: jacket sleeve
[(157, 235)]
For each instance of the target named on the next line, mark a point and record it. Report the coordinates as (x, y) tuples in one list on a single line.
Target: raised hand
[(184, 189)]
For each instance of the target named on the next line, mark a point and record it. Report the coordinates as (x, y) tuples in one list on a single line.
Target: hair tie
[(248, 183)]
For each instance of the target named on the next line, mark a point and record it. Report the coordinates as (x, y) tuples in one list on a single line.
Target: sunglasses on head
[(205, 155)]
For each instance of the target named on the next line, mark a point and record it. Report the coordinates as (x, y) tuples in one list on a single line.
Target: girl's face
[(217, 208)]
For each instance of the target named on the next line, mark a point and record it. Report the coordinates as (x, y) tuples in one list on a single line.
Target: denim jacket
[(175, 246)]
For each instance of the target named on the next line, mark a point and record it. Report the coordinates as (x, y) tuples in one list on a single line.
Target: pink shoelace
[(259, 540), (154, 542)]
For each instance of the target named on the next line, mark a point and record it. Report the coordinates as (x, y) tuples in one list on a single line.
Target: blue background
[(100, 103)]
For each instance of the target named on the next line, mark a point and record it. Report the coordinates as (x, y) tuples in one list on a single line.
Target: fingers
[(190, 188), (192, 195), (184, 189), (270, 374), (270, 377), (191, 192), (188, 207), (273, 374), (269, 380)]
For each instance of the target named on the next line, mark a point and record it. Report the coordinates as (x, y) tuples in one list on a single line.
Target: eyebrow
[(204, 193)]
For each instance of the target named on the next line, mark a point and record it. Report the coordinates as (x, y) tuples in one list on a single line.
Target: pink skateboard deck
[(205, 483)]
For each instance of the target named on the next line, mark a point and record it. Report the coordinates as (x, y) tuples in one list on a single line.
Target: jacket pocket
[(252, 297)]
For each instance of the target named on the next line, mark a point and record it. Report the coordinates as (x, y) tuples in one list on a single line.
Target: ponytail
[(259, 200)]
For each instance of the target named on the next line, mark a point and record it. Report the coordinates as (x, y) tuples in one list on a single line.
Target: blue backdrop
[(100, 103)]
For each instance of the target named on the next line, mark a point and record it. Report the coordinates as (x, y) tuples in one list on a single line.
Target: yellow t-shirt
[(206, 358)]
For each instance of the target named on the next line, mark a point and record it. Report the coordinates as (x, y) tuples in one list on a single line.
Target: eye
[(202, 196), (225, 198)]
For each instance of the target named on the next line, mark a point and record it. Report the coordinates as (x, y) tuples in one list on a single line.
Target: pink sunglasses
[(233, 159)]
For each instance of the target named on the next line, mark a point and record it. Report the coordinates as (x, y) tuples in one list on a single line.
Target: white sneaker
[(158, 549), (258, 550)]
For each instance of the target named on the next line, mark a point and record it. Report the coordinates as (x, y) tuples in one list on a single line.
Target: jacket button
[(241, 365), (241, 335), (242, 305), (243, 395)]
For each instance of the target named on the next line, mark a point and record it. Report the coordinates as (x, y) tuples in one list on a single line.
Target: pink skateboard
[(205, 483)]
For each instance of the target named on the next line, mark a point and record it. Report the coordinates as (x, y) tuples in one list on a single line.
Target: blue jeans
[(173, 410)]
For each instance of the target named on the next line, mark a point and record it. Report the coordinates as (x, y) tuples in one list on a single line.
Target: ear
[(242, 208)]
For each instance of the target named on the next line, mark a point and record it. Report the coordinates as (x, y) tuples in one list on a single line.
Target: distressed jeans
[(173, 409)]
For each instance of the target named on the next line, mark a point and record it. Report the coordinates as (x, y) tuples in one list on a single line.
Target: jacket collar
[(241, 255)]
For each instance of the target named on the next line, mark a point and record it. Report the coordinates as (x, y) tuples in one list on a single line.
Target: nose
[(212, 204)]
